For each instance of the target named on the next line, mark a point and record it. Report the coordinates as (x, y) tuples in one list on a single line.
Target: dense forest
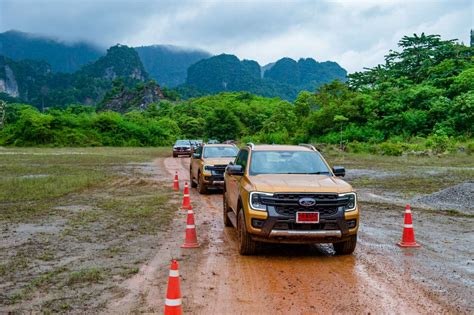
[(421, 98)]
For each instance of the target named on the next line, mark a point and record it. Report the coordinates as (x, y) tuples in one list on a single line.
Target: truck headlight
[(352, 201), (256, 200), (207, 168)]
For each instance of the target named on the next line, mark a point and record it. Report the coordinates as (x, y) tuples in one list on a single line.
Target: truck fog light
[(351, 224)]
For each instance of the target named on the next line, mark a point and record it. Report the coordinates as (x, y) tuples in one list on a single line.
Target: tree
[(341, 121), (3, 109)]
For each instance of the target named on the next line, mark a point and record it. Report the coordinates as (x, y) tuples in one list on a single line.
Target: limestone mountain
[(123, 99), (165, 64), (120, 61), (35, 83), (284, 78), (306, 73), (224, 73)]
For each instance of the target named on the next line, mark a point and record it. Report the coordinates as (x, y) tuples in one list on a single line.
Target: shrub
[(438, 142), (389, 148)]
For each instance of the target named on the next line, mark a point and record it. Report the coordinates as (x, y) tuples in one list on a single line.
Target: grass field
[(70, 218)]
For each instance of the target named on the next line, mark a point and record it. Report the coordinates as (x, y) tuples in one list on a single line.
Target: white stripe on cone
[(174, 273), (173, 302), (190, 226), (190, 212), (408, 226)]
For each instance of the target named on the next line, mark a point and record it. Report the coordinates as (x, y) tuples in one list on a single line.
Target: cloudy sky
[(355, 34)]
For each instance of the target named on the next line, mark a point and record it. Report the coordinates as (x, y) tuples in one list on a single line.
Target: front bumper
[(214, 180), (277, 228), (181, 152)]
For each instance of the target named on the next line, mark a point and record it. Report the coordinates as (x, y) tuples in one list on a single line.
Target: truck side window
[(242, 159)]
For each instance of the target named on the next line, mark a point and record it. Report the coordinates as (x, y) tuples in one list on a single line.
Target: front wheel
[(346, 247), (247, 245), (193, 183), (227, 221), (201, 187)]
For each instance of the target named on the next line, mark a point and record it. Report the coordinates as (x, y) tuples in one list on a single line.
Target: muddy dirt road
[(378, 278)]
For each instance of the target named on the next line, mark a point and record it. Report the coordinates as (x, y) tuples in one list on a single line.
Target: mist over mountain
[(61, 56), (168, 65)]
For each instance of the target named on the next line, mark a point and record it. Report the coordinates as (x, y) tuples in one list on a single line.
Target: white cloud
[(355, 34)]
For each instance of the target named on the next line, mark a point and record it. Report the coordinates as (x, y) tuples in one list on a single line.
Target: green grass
[(90, 275), (83, 198), (31, 178)]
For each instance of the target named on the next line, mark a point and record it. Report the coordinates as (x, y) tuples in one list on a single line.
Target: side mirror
[(196, 156), (234, 170), (339, 171)]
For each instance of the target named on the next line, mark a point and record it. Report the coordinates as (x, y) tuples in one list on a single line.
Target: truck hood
[(218, 161), (299, 183)]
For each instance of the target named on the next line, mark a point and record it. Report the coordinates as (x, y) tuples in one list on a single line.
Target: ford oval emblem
[(307, 202)]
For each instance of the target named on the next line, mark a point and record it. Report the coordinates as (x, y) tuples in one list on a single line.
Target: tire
[(247, 246), (346, 247), (227, 221), (175, 155), (202, 188), (193, 183)]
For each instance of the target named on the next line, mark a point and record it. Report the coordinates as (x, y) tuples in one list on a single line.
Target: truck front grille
[(287, 204), (218, 169)]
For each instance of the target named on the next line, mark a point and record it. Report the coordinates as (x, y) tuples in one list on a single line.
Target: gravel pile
[(459, 197)]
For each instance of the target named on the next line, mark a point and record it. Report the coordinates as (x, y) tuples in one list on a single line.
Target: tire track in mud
[(281, 279)]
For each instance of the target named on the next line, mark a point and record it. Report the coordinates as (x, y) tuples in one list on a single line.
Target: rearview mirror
[(234, 170), (339, 171), (196, 156)]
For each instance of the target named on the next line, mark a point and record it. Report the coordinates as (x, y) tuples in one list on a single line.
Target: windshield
[(287, 162), (217, 152), (182, 142)]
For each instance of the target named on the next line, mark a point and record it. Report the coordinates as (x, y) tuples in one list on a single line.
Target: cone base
[(406, 244), (190, 245)]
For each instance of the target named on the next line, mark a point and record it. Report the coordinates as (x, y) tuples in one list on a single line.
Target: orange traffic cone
[(176, 182), (173, 294), (191, 238), (186, 200), (408, 238)]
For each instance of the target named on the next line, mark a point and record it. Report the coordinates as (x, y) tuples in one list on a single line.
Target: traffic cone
[(173, 293), (408, 238), (191, 238), (176, 182), (186, 200)]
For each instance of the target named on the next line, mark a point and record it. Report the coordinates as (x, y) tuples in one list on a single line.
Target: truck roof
[(280, 147), (218, 145)]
